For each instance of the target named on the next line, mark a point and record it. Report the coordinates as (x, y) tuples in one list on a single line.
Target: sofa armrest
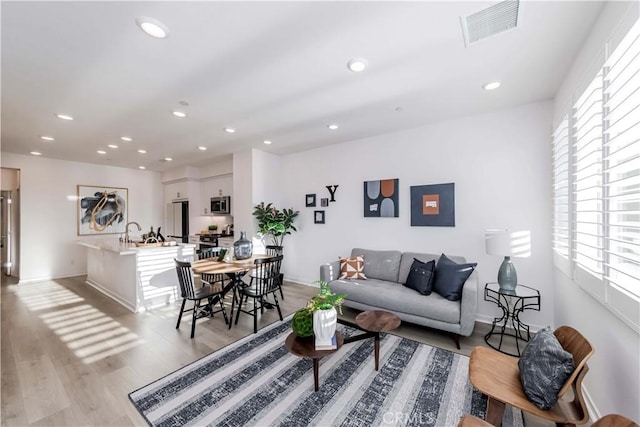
[(469, 305), (330, 271)]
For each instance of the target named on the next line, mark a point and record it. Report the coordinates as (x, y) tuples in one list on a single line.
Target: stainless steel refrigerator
[(178, 221)]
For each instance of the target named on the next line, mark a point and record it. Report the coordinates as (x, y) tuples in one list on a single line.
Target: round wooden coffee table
[(307, 348), (374, 322)]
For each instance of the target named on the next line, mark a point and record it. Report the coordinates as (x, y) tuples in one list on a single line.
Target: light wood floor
[(70, 355)]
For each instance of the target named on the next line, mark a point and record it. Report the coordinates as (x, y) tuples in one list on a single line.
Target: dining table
[(235, 270)]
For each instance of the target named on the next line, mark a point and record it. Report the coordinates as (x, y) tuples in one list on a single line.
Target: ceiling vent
[(493, 20)]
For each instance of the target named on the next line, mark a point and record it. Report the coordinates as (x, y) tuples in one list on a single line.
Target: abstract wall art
[(381, 198), (433, 205), (102, 210)]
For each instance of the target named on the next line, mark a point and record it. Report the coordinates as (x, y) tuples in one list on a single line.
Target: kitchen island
[(137, 277)]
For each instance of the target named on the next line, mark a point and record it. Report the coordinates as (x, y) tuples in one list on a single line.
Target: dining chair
[(190, 293), (265, 280), (210, 278), (273, 250)]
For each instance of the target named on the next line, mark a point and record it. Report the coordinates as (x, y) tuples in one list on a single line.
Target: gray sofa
[(386, 271)]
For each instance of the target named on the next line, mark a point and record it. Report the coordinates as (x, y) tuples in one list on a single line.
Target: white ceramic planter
[(324, 326)]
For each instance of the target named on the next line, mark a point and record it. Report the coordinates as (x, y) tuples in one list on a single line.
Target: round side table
[(307, 348)]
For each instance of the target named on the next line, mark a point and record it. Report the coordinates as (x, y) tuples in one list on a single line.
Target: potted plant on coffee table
[(325, 317)]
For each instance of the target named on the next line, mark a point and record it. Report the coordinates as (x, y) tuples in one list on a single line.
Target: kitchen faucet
[(126, 228)]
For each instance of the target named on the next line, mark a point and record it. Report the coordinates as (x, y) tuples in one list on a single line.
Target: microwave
[(221, 205)]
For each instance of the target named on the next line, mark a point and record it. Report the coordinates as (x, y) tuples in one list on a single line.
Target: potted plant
[(324, 303), (213, 227), (325, 317), (273, 222)]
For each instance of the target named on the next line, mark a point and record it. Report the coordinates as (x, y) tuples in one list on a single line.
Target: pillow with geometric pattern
[(352, 268)]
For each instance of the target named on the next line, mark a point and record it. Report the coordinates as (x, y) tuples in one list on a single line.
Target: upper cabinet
[(214, 187), (176, 191)]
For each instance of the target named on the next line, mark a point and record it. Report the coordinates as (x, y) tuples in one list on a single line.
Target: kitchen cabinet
[(214, 187)]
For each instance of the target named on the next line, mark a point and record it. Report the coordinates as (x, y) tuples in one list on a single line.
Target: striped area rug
[(256, 382)]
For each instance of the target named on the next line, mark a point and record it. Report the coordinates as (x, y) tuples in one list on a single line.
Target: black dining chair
[(273, 250), (207, 292), (265, 280), (209, 278)]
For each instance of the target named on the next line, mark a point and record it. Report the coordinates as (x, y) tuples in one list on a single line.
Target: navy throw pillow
[(450, 277), (544, 368), (420, 276)]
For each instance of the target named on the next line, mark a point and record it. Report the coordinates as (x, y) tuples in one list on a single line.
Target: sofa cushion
[(544, 368), (450, 277), (383, 265), (407, 261), (352, 268), (394, 297), (421, 276)]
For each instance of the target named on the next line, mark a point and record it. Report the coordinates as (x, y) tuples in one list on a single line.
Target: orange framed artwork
[(433, 205)]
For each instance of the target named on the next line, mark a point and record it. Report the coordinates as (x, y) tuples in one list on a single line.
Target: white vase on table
[(324, 326)]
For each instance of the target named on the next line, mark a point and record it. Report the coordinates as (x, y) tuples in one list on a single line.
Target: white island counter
[(137, 277)]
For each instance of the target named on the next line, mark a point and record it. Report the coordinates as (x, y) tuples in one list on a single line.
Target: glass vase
[(243, 248)]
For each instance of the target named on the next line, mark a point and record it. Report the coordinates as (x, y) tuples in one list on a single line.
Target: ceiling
[(271, 70)]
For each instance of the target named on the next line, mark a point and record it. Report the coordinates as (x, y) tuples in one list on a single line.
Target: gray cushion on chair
[(544, 368)]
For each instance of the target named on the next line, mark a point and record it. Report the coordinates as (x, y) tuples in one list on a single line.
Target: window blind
[(621, 150), (560, 166), (587, 180)]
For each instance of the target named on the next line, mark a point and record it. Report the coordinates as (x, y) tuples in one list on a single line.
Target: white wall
[(48, 210), (613, 381), (499, 162)]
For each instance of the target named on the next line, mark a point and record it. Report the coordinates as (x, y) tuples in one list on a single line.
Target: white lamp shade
[(508, 243)]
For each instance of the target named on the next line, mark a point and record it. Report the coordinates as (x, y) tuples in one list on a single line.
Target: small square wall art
[(381, 198), (433, 205)]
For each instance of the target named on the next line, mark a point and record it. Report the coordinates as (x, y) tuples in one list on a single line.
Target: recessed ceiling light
[(126, 138), (47, 138), (101, 152), (180, 114), (168, 159), (141, 167), (64, 116), (267, 142), (112, 146), (332, 127), (142, 151), (399, 109), (201, 148), (153, 27), (357, 64), (491, 86), (183, 103), (229, 130), (36, 153)]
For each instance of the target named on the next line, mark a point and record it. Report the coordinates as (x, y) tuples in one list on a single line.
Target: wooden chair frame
[(498, 376)]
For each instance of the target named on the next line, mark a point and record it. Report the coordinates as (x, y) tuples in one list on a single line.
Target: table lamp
[(508, 243)]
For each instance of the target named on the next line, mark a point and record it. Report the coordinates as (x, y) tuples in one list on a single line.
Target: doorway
[(10, 225)]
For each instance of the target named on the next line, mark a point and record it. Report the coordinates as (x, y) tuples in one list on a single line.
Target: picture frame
[(381, 198), (324, 202), (310, 200), (318, 217), (433, 205), (102, 210)]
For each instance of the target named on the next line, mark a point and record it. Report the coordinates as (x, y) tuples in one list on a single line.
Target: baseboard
[(298, 282), (594, 414), (110, 294), (46, 278)]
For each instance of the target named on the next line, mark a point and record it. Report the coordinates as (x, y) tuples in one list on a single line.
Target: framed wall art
[(310, 200), (318, 217), (324, 202), (433, 205), (102, 210), (381, 198)]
